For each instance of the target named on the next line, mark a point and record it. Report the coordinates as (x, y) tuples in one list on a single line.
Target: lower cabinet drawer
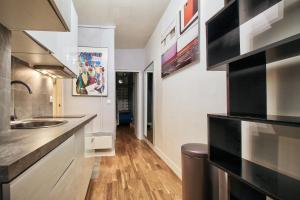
[(64, 190), (73, 185), (37, 182), (98, 142)]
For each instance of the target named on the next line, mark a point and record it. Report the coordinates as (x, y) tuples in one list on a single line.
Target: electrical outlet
[(51, 99)]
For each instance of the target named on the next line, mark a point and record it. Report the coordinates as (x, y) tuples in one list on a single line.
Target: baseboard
[(176, 169)]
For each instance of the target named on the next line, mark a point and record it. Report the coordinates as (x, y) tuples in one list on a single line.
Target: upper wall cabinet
[(48, 48), (64, 7), (63, 45), (46, 15)]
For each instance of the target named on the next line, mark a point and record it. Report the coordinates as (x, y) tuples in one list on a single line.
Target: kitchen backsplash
[(30, 105), (5, 50)]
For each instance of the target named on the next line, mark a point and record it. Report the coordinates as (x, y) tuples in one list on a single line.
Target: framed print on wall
[(180, 40), (92, 78)]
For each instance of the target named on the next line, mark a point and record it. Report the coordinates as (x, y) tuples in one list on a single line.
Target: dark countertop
[(20, 149), (61, 116)]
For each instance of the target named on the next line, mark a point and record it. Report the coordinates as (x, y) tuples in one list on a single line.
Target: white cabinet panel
[(62, 45), (74, 183), (63, 190), (37, 181), (37, 59), (46, 39), (62, 174), (64, 11), (98, 142), (22, 43), (53, 15)]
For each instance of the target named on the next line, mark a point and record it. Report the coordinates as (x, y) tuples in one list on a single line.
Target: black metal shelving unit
[(223, 34), (268, 119), (225, 153), (280, 50), (247, 101), (261, 179)]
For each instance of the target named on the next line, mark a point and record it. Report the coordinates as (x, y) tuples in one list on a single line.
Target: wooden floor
[(136, 172)]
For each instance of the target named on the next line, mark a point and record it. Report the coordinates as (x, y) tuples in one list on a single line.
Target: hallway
[(136, 173)]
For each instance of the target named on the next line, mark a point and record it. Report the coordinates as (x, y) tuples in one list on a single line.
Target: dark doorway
[(126, 98), (148, 103), (150, 107)]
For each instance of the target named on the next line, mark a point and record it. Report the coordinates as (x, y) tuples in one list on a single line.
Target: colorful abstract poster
[(180, 40), (92, 78)]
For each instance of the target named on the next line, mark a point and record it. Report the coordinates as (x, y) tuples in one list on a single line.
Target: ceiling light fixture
[(120, 81)]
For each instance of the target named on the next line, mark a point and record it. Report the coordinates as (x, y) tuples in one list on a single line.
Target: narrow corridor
[(136, 173)]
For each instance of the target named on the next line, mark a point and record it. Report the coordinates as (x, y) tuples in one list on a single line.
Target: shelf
[(218, 49), (246, 9), (264, 180), (247, 92), (280, 50), (269, 119), (249, 9), (223, 22), (222, 34), (244, 97), (239, 190)]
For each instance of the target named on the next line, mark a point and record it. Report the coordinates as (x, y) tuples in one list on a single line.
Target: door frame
[(139, 125), (145, 102)]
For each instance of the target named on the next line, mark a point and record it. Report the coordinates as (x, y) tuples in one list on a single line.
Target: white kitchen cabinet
[(61, 45), (74, 183), (63, 174), (94, 141), (23, 43), (46, 15), (64, 7), (38, 180)]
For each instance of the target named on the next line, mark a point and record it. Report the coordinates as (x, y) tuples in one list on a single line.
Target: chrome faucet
[(14, 116)]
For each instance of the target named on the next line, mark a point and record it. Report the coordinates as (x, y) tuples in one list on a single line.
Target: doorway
[(148, 103), (126, 99)]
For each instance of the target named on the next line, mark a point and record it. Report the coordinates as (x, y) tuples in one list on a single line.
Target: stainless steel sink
[(35, 124)]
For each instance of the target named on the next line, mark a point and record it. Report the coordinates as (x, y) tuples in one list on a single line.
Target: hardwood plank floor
[(136, 173)]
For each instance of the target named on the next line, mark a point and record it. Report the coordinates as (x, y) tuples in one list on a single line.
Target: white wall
[(130, 59), (103, 106), (182, 100), (133, 60)]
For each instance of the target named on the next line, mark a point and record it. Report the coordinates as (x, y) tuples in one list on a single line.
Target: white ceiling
[(135, 20)]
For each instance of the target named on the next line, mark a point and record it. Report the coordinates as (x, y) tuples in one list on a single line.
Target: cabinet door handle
[(92, 140)]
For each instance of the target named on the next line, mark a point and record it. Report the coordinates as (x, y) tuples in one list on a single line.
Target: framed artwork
[(180, 40), (92, 78)]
